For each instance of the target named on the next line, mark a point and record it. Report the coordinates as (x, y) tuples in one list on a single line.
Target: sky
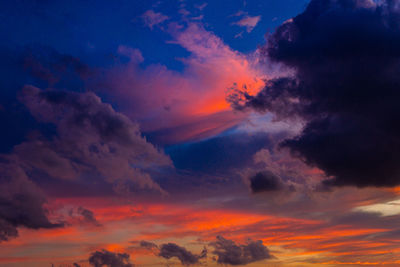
[(199, 133)]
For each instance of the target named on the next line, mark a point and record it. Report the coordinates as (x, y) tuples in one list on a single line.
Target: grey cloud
[(105, 258), (186, 257), (228, 252), (21, 202), (171, 250), (91, 138), (148, 245)]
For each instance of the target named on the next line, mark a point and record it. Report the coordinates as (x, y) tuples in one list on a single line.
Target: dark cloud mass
[(229, 252), (346, 88), (265, 181), (186, 257), (105, 258), (21, 202)]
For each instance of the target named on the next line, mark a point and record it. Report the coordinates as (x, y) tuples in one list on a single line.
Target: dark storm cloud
[(229, 252), (21, 202), (346, 88), (265, 181), (109, 259), (186, 257)]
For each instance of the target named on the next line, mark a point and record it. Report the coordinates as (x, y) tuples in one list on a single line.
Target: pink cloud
[(151, 18), (188, 104), (249, 22)]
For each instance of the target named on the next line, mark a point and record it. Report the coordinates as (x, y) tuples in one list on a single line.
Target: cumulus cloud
[(345, 89), (151, 18), (105, 258), (228, 252), (91, 138), (248, 22)]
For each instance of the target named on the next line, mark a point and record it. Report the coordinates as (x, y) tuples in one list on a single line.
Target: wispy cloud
[(151, 18), (248, 22)]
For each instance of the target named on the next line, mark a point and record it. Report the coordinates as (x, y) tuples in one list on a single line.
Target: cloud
[(148, 245), (389, 208), (109, 259), (278, 170), (88, 216), (190, 104), (265, 181), (229, 252), (92, 139), (38, 65), (21, 202), (249, 22), (345, 89), (170, 250), (186, 257), (151, 18)]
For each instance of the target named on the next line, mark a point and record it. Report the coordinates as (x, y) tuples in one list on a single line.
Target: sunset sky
[(199, 133)]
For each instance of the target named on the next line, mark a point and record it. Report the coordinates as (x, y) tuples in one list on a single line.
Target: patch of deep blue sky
[(93, 29)]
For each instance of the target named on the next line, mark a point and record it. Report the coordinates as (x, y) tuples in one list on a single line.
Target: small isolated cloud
[(151, 18), (230, 253), (170, 250), (390, 208), (239, 35), (88, 216), (249, 22), (109, 259), (186, 257), (134, 54), (148, 245)]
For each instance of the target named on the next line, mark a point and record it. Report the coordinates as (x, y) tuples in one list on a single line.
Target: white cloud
[(384, 209)]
